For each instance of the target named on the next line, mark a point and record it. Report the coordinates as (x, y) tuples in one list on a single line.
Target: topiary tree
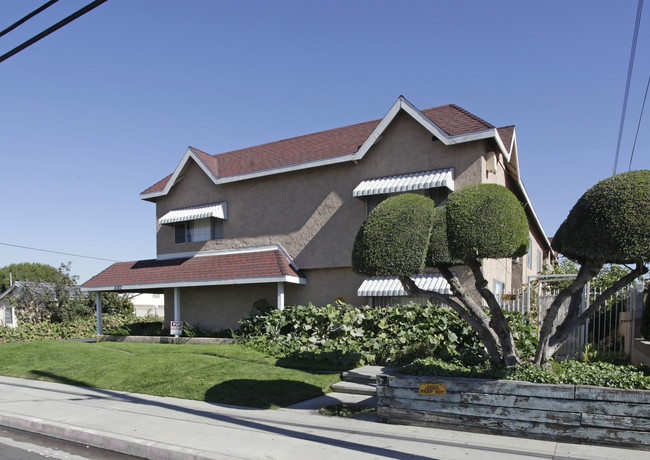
[(407, 233), (610, 223)]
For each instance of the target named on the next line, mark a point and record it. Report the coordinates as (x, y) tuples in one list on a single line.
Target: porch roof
[(228, 268)]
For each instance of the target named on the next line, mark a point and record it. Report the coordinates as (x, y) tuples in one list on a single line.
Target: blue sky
[(105, 107)]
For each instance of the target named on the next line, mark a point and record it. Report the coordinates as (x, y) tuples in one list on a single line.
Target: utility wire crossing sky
[(106, 106)]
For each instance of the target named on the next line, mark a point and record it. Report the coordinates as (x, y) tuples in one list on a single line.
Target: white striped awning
[(217, 210), (392, 287), (406, 183)]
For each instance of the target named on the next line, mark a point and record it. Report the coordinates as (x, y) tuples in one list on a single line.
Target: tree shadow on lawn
[(263, 394), (320, 361), (42, 375)]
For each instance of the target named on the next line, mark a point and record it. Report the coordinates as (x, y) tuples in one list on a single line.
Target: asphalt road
[(21, 445)]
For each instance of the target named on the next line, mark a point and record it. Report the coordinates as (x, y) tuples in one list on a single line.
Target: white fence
[(610, 330)]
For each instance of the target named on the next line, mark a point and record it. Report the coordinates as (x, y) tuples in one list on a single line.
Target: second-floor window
[(435, 184), (198, 223), (198, 230)]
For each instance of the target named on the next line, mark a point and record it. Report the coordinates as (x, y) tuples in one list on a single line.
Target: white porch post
[(280, 296), (98, 303), (177, 304)]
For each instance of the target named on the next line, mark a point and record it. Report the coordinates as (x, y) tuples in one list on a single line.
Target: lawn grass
[(228, 374)]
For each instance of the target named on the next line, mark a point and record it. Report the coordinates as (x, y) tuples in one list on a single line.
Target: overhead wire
[(28, 17), (51, 29), (639, 124), (629, 78), (57, 252)]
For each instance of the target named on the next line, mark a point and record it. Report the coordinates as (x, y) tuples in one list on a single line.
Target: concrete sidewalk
[(169, 428)]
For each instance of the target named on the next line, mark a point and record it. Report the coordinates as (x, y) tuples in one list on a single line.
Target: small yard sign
[(177, 327), (434, 389)]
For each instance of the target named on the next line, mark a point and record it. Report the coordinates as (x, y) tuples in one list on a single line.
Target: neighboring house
[(145, 304), (278, 221), (9, 300)]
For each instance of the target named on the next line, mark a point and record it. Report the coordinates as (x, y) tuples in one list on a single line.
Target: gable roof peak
[(449, 123)]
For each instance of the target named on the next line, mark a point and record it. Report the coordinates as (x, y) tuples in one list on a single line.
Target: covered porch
[(245, 269)]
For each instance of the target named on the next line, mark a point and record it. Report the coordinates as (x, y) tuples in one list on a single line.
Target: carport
[(214, 268)]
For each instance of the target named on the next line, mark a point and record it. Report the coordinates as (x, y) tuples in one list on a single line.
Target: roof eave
[(197, 283)]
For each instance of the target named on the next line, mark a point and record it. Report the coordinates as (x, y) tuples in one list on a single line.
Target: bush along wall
[(353, 335)]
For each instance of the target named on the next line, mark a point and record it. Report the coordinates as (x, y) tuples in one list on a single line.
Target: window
[(530, 253), (539, 261), (499, 289), (198, 230)]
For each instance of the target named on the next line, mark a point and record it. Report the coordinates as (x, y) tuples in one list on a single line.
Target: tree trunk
[(587, 271), (575, 318), (498, 322), (469, 311)]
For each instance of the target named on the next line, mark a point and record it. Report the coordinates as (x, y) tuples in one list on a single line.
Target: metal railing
[(609, 331)]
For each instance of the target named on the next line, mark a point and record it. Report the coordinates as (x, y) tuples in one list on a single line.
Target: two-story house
[(278, 221)]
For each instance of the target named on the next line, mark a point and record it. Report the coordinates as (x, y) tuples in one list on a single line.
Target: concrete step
[(355, 388), (365, 374)]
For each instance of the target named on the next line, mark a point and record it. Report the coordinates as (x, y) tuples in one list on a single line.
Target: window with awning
[(389, 290), (406, 183), (198, 223), (215, 210)]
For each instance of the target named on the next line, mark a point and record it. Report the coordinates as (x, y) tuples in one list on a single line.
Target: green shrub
[(486, 221), (78, 328), (610, 222), (567, 372), (393, 240), (438, 254), (367, 335)]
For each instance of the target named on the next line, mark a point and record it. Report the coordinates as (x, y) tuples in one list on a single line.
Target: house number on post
[(433, 389)]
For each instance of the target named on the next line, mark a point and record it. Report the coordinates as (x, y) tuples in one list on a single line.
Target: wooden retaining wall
[(570, 413)]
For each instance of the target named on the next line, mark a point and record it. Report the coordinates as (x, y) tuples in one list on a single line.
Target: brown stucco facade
[(313, 216), (295, 198)]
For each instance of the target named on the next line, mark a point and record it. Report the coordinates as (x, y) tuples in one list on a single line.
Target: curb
[(108, 441)]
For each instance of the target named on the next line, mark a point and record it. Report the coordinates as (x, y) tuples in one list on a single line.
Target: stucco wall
[(325, 285), (219, 307), (312, 213)]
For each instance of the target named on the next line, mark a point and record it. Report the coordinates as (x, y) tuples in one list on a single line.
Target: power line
[(57, 252), (639, 124), (627, 84), (29, 16), (53, 28)]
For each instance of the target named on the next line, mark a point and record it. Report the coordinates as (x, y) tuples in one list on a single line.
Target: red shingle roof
[(195, 270), (506, 134), (322, 145)]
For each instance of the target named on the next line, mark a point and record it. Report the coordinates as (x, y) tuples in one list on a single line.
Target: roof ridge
[(471, 115)]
